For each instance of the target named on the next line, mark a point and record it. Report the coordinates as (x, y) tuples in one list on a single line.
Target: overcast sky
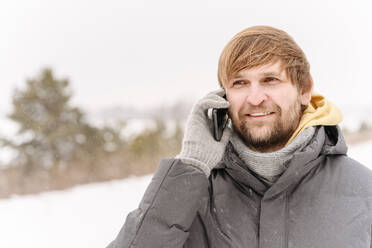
[(146, 53)]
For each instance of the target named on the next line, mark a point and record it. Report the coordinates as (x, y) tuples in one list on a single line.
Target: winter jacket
[(323, 200)]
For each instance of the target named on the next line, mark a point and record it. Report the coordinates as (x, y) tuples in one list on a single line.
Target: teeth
[(260, 114)]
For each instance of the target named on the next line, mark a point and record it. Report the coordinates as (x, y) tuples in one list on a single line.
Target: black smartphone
[(219, 119)]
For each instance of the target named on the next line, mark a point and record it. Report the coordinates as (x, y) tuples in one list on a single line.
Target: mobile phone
[(219, 119)]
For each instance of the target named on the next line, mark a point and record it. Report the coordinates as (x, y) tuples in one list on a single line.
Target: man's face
[(265, 106)]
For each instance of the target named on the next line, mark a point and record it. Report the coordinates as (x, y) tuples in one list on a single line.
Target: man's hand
[(199, 148)]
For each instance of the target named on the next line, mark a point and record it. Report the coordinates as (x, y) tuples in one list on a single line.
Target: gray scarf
[(269, 166)]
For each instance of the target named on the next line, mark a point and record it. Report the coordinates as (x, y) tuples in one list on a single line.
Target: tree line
[(56, 147)]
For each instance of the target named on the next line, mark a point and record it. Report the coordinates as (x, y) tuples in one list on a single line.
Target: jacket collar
[(327, 140)]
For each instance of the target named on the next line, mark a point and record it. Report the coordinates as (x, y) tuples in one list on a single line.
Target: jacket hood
[(327, 140), (320, 111)]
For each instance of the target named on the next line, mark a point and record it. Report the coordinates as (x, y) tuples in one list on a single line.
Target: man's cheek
[(232, 110)]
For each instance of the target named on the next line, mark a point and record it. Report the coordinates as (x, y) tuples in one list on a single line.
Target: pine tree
[(51, 131)]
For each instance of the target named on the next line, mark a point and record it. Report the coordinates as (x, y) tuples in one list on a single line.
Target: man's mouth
[(260, 114)]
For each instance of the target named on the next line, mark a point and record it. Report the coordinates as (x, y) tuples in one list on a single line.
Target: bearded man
[(279, 177)]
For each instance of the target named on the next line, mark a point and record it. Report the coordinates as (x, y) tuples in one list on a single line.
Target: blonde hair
[(261, 45)]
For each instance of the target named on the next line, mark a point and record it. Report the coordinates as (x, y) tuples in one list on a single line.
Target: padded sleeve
[(167, 209)]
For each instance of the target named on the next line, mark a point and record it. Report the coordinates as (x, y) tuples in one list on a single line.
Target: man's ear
[(305, 93)]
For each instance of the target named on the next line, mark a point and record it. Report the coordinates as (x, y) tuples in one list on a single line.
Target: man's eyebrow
[(264, 74), (270, 74)]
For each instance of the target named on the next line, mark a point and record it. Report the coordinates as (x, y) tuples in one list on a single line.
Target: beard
[(269, 136)]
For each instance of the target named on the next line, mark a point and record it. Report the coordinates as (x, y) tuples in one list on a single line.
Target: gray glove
[(199, 148)]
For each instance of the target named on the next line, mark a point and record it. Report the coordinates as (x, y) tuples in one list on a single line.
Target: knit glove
[(199, 148)]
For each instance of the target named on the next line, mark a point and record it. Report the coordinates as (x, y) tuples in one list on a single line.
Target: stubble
[(269, 136)]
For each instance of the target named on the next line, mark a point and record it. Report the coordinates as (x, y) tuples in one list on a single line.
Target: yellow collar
[(320, 111)]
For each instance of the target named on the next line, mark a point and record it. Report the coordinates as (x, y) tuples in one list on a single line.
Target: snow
[(84, 216), (362, 153)]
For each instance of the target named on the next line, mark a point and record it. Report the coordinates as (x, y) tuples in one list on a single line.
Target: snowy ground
[(85, 216)]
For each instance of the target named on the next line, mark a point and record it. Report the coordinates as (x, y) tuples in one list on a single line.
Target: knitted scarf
[(269, 166)]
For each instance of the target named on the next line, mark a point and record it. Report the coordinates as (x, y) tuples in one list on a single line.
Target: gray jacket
[(323, 200)]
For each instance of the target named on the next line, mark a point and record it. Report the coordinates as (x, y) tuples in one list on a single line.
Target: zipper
[(286, 222)]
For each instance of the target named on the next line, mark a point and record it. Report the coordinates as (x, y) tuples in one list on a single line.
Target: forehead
[(272, 69)]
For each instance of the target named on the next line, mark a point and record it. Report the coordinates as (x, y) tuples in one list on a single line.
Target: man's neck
[(271, 165)]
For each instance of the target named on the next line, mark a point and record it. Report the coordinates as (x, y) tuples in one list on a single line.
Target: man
[(279, 177)]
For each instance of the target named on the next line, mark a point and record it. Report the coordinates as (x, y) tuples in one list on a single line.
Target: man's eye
[(238, 83), (270, 79)]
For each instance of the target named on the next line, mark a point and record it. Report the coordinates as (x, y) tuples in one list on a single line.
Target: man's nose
[(256, 95)]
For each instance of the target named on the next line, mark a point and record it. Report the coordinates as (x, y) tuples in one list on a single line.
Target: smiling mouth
[(260, 114)]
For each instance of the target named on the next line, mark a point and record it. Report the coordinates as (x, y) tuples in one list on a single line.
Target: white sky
[(146, 52)]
